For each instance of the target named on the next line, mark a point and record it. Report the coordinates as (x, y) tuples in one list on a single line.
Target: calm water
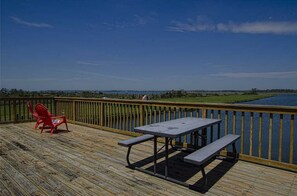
[(282, 99)]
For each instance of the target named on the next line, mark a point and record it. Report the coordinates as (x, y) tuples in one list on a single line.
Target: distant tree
[(179, 93), (254, 91), (4, 92)]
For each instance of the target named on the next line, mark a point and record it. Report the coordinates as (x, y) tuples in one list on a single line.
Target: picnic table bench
[(201, 156)]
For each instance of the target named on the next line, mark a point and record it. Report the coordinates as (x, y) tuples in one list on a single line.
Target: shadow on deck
[(87, 161)]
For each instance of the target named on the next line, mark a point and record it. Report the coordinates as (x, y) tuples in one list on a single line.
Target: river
[(281, 99)]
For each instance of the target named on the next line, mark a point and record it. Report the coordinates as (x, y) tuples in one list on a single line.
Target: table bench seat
[(201, 156), (136, 140)]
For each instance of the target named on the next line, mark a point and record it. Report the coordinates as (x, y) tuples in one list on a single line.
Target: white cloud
[(86, 63), (135, 21), (30, 24), (260, 27), (29, 79), (266, 27), (140, 20), (143, 19), (183, 27), (264, 75)]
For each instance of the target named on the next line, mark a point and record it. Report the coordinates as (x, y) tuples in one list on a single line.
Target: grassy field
[(231, 98), (6, 112)]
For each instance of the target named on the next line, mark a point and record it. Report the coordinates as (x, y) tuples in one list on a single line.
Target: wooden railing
[(16, 110), (268, 133)]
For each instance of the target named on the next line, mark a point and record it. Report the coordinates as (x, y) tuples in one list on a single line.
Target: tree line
[(4, 92)]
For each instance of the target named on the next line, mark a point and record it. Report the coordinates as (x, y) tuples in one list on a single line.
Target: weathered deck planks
[(88, 161)]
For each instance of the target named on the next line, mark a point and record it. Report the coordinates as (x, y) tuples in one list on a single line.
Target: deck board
[(87, 161)]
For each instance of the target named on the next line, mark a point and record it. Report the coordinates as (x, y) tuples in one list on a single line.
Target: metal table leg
[(204, 137), (166, 157), (196, 140), (155, 154)]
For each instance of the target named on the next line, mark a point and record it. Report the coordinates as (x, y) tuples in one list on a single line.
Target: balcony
[(87, 160)]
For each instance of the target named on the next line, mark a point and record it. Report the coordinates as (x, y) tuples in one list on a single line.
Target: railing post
[(73, 110), (204, 112), (14, 111), (102, 114), (141, 113), (55, 106), (291, 140)]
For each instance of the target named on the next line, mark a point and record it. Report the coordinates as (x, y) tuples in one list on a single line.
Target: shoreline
[(231, 99)]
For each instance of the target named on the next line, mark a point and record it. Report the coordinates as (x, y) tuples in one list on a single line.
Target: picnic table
[(170, 130), (177, 128)]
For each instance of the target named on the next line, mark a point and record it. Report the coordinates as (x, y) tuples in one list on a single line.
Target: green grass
[(232, 98)]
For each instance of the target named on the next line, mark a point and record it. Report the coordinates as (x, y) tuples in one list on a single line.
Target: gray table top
[(177, 127)]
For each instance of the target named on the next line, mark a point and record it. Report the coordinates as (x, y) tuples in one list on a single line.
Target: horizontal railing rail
[(268, 133)]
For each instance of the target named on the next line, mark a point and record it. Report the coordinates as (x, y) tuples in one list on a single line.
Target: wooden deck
[(88, 161)]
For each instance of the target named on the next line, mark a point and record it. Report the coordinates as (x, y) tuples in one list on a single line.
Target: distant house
[(145, 97)]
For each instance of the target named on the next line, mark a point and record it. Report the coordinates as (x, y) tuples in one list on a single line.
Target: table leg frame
[(165, 176)]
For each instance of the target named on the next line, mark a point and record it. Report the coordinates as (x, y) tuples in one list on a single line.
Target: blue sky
[(148, 45)]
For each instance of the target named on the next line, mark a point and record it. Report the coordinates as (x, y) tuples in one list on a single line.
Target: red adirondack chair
[(52, 121), (38, 120)]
